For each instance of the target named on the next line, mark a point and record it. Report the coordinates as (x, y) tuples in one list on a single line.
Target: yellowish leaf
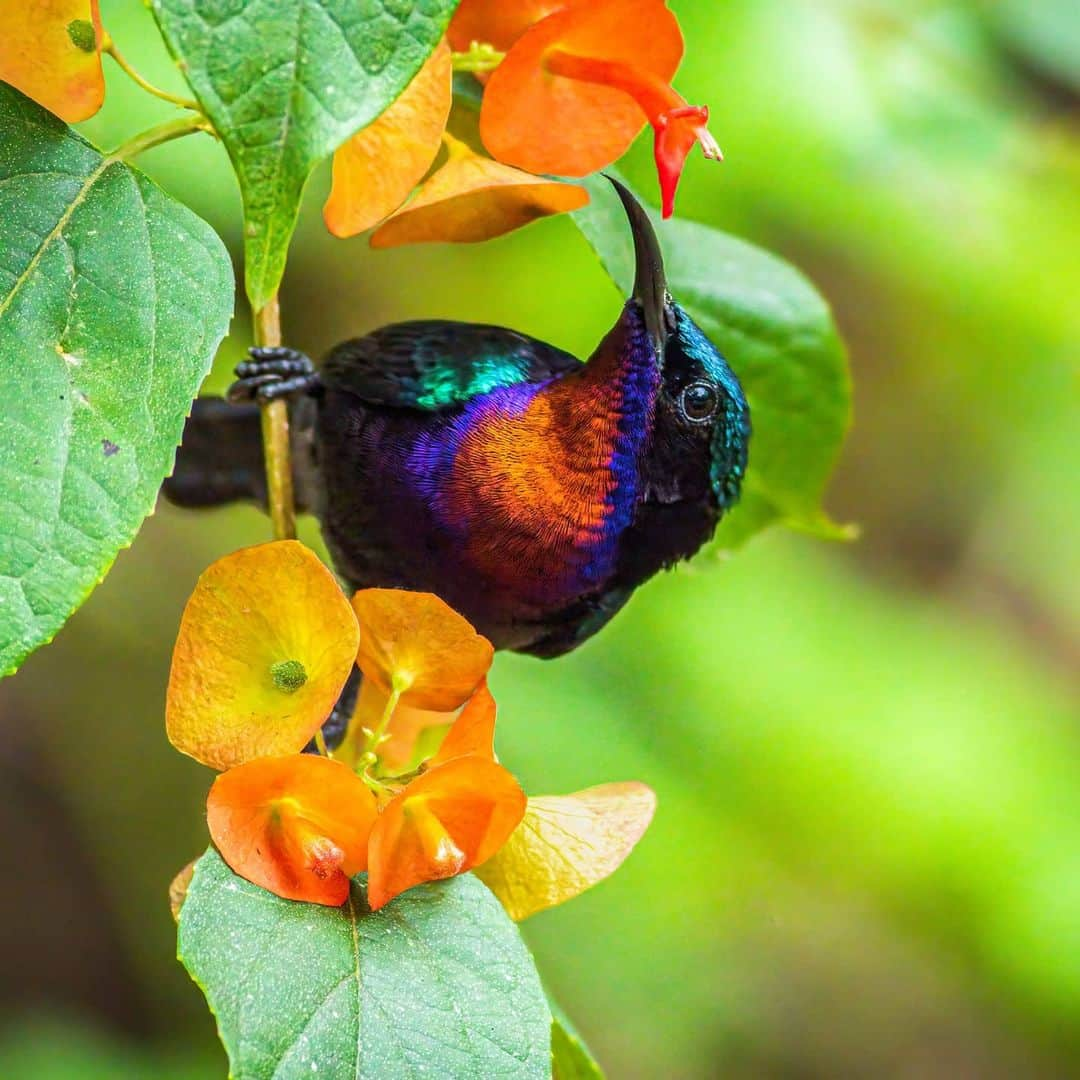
[(567, 843), (474, 198)]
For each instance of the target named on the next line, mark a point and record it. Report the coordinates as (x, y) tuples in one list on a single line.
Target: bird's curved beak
[(650, 285)]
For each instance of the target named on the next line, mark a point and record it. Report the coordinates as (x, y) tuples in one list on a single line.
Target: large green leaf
[(285, 83), (436, 983), (113, 298), (776, 332)]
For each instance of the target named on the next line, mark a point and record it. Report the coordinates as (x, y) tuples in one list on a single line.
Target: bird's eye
[(699, 401)]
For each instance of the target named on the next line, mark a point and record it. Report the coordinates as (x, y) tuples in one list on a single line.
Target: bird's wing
[(438, 364)]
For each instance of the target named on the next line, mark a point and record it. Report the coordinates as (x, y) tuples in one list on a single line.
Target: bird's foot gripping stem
[(273, 372)]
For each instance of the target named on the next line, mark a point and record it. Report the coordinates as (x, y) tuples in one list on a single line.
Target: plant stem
[(275, 435), (384, 721), (374, 736), (358, 748), (163, 133), (109, 46)]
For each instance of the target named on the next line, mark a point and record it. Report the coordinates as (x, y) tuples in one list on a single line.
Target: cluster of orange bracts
[(414, 793), (301, 825), (571, 84)]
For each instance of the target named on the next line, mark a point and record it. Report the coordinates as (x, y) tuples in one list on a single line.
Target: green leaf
[(437, 982), (285, 84), (113, 299), (570, 1057), (777, 333)]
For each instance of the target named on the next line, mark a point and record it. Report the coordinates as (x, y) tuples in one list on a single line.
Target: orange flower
[(52, 52), (296, 825), (575, 89), (266, 643), (446, 821), (452, 817), (375, 171)]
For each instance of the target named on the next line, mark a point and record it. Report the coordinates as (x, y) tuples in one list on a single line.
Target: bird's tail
[(220, 459)]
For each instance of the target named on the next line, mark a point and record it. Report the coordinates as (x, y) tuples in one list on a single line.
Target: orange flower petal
[(496, 22), (473, 198), (378, 167), (567, 843), (417, 640), (548, 123), (265, 645), (296, 825), (445, 822), (473, 732), (51, 52)]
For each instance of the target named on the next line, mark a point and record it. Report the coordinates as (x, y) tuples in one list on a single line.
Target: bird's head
[(701, 420)]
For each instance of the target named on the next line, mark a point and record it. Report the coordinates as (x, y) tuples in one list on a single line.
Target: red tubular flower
[(676, 124), (575, 89)]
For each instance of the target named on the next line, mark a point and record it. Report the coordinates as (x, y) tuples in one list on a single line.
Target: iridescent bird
[(530, 491)]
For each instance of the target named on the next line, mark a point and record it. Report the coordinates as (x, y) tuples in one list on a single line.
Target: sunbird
[(530, 491)]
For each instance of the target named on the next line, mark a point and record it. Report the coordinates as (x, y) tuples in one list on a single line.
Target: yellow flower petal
[(473, 198), (567, 843), (418, 641), (378, 167), (51, 52), (266, 643)]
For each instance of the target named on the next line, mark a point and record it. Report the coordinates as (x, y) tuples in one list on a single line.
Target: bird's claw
[(273, 372)]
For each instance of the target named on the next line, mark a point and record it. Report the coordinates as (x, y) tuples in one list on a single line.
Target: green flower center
[(82, 35), (288, 675)]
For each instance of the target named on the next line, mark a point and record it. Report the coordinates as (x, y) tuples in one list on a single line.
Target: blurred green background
[(866, 861)]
